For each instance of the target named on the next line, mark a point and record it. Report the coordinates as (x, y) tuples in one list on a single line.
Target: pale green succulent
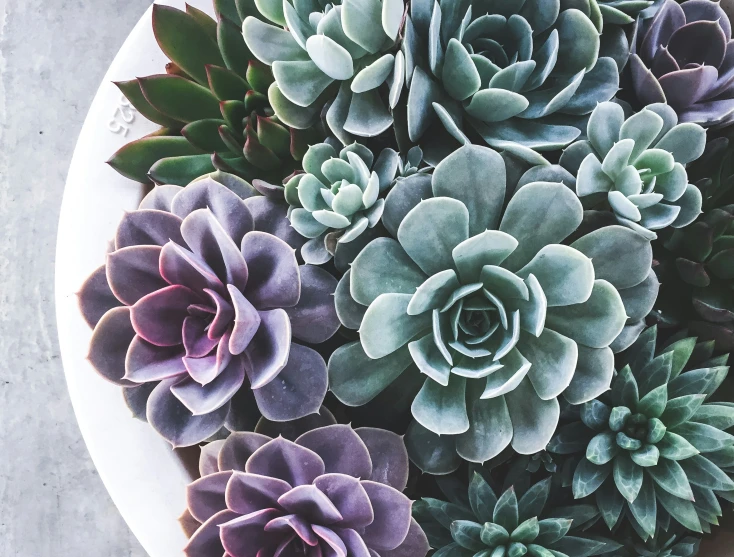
[(652, 448), (637, 166), (318, 48), (522, 74), (621, 12), (490, 305), (339, 196)]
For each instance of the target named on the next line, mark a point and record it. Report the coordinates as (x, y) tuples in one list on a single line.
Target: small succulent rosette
[(334, 491), (196, 300), (478, 522), (487, 310), (637, 167), (321, 52), (339, 197), (211, 104), (653, 449), (684, 57), (521, 75)]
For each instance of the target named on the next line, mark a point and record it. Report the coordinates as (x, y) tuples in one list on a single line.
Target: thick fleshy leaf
[(314, 318), (109, 345), (392, 516), (268, 352), (352, 459), (553, 359), (442, 409), (533, 420), (389, 457), (565, 274), (386, 325)]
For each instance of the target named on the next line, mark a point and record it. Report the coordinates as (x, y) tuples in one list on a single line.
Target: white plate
[(143, 475)]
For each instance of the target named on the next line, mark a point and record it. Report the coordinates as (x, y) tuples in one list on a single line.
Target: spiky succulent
[(490, 305), (683, 57), (340, 196), (323, 51), (212, 104), (637, 167), (696, 261), (334, 491), (512, 524), (195, 297), (654, 449), (519, 73)]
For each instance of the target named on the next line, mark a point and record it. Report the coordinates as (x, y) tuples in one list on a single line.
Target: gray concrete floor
[(53, 55)]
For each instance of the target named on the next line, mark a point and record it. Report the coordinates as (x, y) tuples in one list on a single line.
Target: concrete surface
[(53, 56)]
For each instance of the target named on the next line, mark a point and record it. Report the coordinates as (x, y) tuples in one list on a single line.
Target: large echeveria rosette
[(196, 299), (637, 167), (479, 522), (684, 57), (491, 306), (654, 449), (332, 491), (522, 74), (340, 53)]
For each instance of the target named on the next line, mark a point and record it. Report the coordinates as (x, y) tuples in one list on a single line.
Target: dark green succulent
[(621, 12), (663, 544), (509, 525), (654, 449), (521, 76), (212, 105)]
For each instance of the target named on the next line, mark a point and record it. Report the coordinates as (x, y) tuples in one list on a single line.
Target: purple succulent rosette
[(196, 296), (684, 56), (334, 492)]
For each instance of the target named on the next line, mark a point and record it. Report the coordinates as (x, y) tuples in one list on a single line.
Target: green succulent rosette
[(491, 305), (637, 167), (480, 523), (663, 544), (521, 75), (323, 51), (655, 452), (339, 196), (212, 105)]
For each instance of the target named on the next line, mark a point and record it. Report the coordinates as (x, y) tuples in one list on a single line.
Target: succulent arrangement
[(495, 238)]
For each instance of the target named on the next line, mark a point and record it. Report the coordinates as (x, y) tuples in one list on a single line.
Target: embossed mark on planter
[(122, 117)]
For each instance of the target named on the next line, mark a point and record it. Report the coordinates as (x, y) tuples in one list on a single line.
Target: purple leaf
[(205, 496), (160, 198), (207, 369), (204, 399), (349, 497), (293, 523), (158, 317), (245, 536), (390, 464), (271, 217), (646, 85), (700, 42), (195, 340), (238, 448), (332, 540), (341, 449), (268, 352), (685, 87), (206, 542), (147, 362), (355, 544), (96, 298), (287, 461), (180, 266), (223, 316), (310, 503), (703, 10), (175, 423), (249, 493), (415, 544), (274, 276), (314, 319), (208, 458), (148, 228), (669, 18), (246, 322), (392, 517), (109, 344), (298, 390), (132, 273)]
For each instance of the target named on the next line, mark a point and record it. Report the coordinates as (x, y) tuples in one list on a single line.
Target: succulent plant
[(682, 57), (511, 524), (499, 315), (622, 12), (664, 544), (654, 449), (212, 104), (340, 196), (322, 51), (195, 296), (695, 262), (333, 491), (637, 167), (521, 74)]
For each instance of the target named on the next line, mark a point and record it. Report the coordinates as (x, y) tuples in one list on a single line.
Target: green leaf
[(533, 420), (704, 473), (627, 477), (610, 503), (602, 448), (357, 389), (553, 358), (494, 534), (181, 171), (460, 76), (686, 142), (578, 43), (680, 410), (431, 453), (496, 105), (233, 48), (269, 43), (653, 403), (681, 510), (225, 84), (588, 478), (481, 498), (604, 125), (186, 43), (669, 475), (538, 215), (704, 437), (382, 267), (490, 428), (570, 439), (551, 530), (271, 9), (526, 532), (361, 20), (386, 325), (675, 447), (531, 504), (644, 508), (618, 418), (179, 98), (643, 128), (566, 275), (596, 322), (442, 409), (135, 159), (716, 415), (595, 414), (430, 232), (577, 547), (506, 510), (373, 75), (259, 76), (131, 89), (467, 534), (330, 57)]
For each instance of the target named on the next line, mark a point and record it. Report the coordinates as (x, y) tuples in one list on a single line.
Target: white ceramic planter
[(143, 475)]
